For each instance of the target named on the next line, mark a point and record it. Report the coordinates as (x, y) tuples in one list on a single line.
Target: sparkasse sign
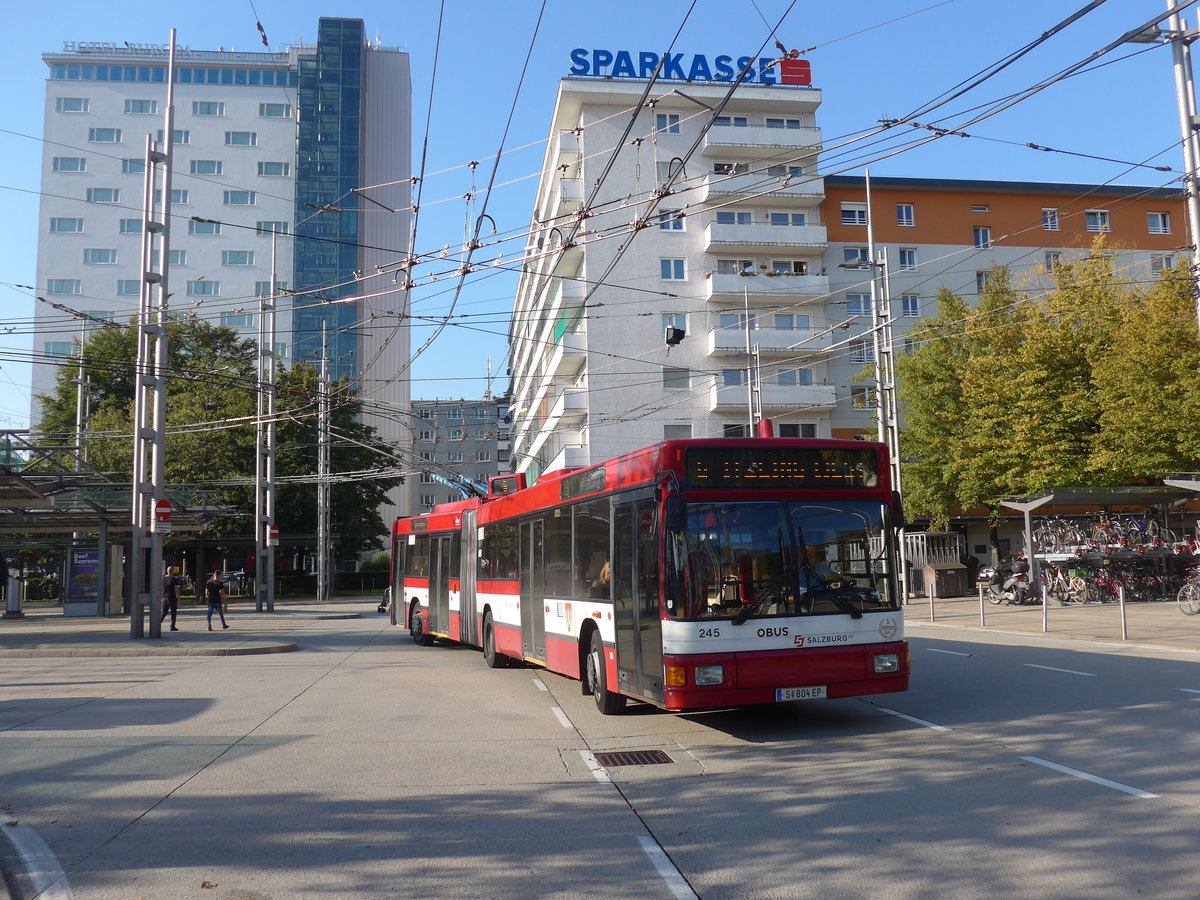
[(680, 67)]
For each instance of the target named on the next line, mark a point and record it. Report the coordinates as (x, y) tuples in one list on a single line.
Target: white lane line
[(537, 683), (1190, 690), (562, 718), (913, 719), (593, 764), (1095, 779), (1054, 669), (671, 875), (949, 652), (36, 862)]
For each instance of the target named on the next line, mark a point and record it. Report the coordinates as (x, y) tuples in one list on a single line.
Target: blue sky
[(872, 59)]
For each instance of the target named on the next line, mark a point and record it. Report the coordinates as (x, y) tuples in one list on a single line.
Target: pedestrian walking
[(214, 590), (170, 596)]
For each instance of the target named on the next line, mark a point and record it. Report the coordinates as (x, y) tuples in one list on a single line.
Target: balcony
[(731, 398), (568, 148), (792, 342), (568, 355), (750, 238), (779, 287), (570, 408), (567, 458), (803, 192), (570, 195), (760, 142)]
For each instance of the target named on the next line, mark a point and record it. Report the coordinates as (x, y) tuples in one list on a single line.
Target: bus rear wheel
[(416, 627), (607, 702), (493, 659)]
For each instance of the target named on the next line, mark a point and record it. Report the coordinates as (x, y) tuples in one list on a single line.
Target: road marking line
[(950, 652), (1190, 690), (1054, 669), (562, 717), (1095, 779), (537, 683), (594, 765), (671, 875), (913, 719)]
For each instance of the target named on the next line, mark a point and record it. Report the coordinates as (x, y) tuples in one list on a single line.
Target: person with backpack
[(214, 590)]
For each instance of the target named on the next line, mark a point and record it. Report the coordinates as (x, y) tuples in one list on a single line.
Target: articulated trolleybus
[(691, 574)]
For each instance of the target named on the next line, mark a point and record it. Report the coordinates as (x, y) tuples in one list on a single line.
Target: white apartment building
[(268, 151)]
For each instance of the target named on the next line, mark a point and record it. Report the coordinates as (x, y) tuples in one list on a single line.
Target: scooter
[(1010, 584)]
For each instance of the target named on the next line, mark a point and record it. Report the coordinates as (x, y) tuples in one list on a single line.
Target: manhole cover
[(633, 758)]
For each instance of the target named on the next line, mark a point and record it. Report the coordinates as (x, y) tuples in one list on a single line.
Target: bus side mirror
[(898, 511), (676, 513)]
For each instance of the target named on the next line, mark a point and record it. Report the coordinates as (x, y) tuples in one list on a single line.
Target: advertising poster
[(84, 579)]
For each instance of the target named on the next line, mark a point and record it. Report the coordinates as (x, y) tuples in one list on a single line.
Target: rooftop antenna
[(487, 394)]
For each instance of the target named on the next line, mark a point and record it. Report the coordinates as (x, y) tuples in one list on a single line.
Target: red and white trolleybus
[(690, 574)]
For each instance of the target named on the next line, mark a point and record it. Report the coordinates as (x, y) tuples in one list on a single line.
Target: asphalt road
[(365, 766)]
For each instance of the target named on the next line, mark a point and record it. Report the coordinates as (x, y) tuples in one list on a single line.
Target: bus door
[(442, 557), (468, 630), (533, 591), (636, 599)]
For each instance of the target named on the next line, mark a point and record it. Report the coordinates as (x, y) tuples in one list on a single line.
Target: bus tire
[(607, 702), (416, 627), (493, 659)]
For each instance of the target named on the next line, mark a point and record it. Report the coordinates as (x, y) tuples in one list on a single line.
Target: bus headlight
[(710, 674), (676, 676), (886, 663)]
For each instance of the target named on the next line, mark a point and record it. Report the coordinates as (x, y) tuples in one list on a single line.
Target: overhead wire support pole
[(323, 511), (1185, 97), (264, 434)]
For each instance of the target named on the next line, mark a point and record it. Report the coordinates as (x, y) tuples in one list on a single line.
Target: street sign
[(273, 536), (162, 517)]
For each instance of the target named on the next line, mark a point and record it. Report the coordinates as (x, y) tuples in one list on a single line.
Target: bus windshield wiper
[(773, 588)]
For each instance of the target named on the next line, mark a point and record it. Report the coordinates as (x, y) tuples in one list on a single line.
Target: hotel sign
[(681, 67), (125, 48)]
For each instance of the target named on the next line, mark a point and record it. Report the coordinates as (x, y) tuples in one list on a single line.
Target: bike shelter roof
[(1148, 495)]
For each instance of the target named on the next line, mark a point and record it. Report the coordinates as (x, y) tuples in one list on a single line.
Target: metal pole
[(1121, 602), (1045, 610), (875, 341), (749, 365), (323, 474), (982, 620), (1185, 98), (264, 474)]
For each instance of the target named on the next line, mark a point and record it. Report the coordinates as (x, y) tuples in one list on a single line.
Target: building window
[(861, 352), (673, 269), (671, 220), (666, 123), (856, 255), (733, 431), (731, 121), (730, 168), (207, 167), (483, 456), (174, 257), (263, 288), (904, 215), (1097, 220), (426, 478), (204, 227), (178, 197), (790, 322), (454, 415), (784, 123), (1159, 263), (128, 287), (672, 320), (64, 286), (72, 104), (794, 377), (100, 257), (481, 414), (66, 226), (425, 434), (787, 171), (797, 430), (141, 107), (456, 434), (237, 257), (735, 321), (207, 108), (980, 208), (239, 198), (677, 432), (1158, 223), (1053, 259), (908, 258), (60, 348), (725, 217), (274, 169), (236, 320), (271, 227), (104, 135), (131, 226), (1049, 220), (983, 237), (204, 289), (454, 456), (782, 218), (241, 139), (981, 281), (133, 166), (858, 304), (103, 195), (675, 379), (910, 305), (789, 266), (854, 213), (666, 170), (274, 111), (427, 499), (177, 136), (862, 398), (69, 164), (425, 414), (733, 377), (734, 266)]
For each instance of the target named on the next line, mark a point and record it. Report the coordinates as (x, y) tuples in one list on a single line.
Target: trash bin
[(945, 580)]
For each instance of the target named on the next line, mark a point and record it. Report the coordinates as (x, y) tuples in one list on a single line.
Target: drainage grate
[(632, 758)]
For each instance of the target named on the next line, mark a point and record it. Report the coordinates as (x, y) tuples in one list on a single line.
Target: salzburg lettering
[(681, 67)]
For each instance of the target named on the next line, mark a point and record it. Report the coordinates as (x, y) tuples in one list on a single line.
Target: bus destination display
[(781, 468)]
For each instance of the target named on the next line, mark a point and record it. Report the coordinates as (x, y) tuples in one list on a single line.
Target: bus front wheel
[(416, 627), (597, 680), (493, 659)]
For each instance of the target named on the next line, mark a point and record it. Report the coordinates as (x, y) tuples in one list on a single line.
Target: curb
[(146, 651), (1050, 635), (28, 867)]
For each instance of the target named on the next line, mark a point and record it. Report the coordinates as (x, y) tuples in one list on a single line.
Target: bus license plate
[(816, 692)]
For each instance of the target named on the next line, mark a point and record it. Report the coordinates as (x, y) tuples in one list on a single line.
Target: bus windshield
[(751, 559)]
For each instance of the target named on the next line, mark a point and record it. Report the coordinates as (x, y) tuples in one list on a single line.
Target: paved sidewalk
[(46, 632), (1159, 624)]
